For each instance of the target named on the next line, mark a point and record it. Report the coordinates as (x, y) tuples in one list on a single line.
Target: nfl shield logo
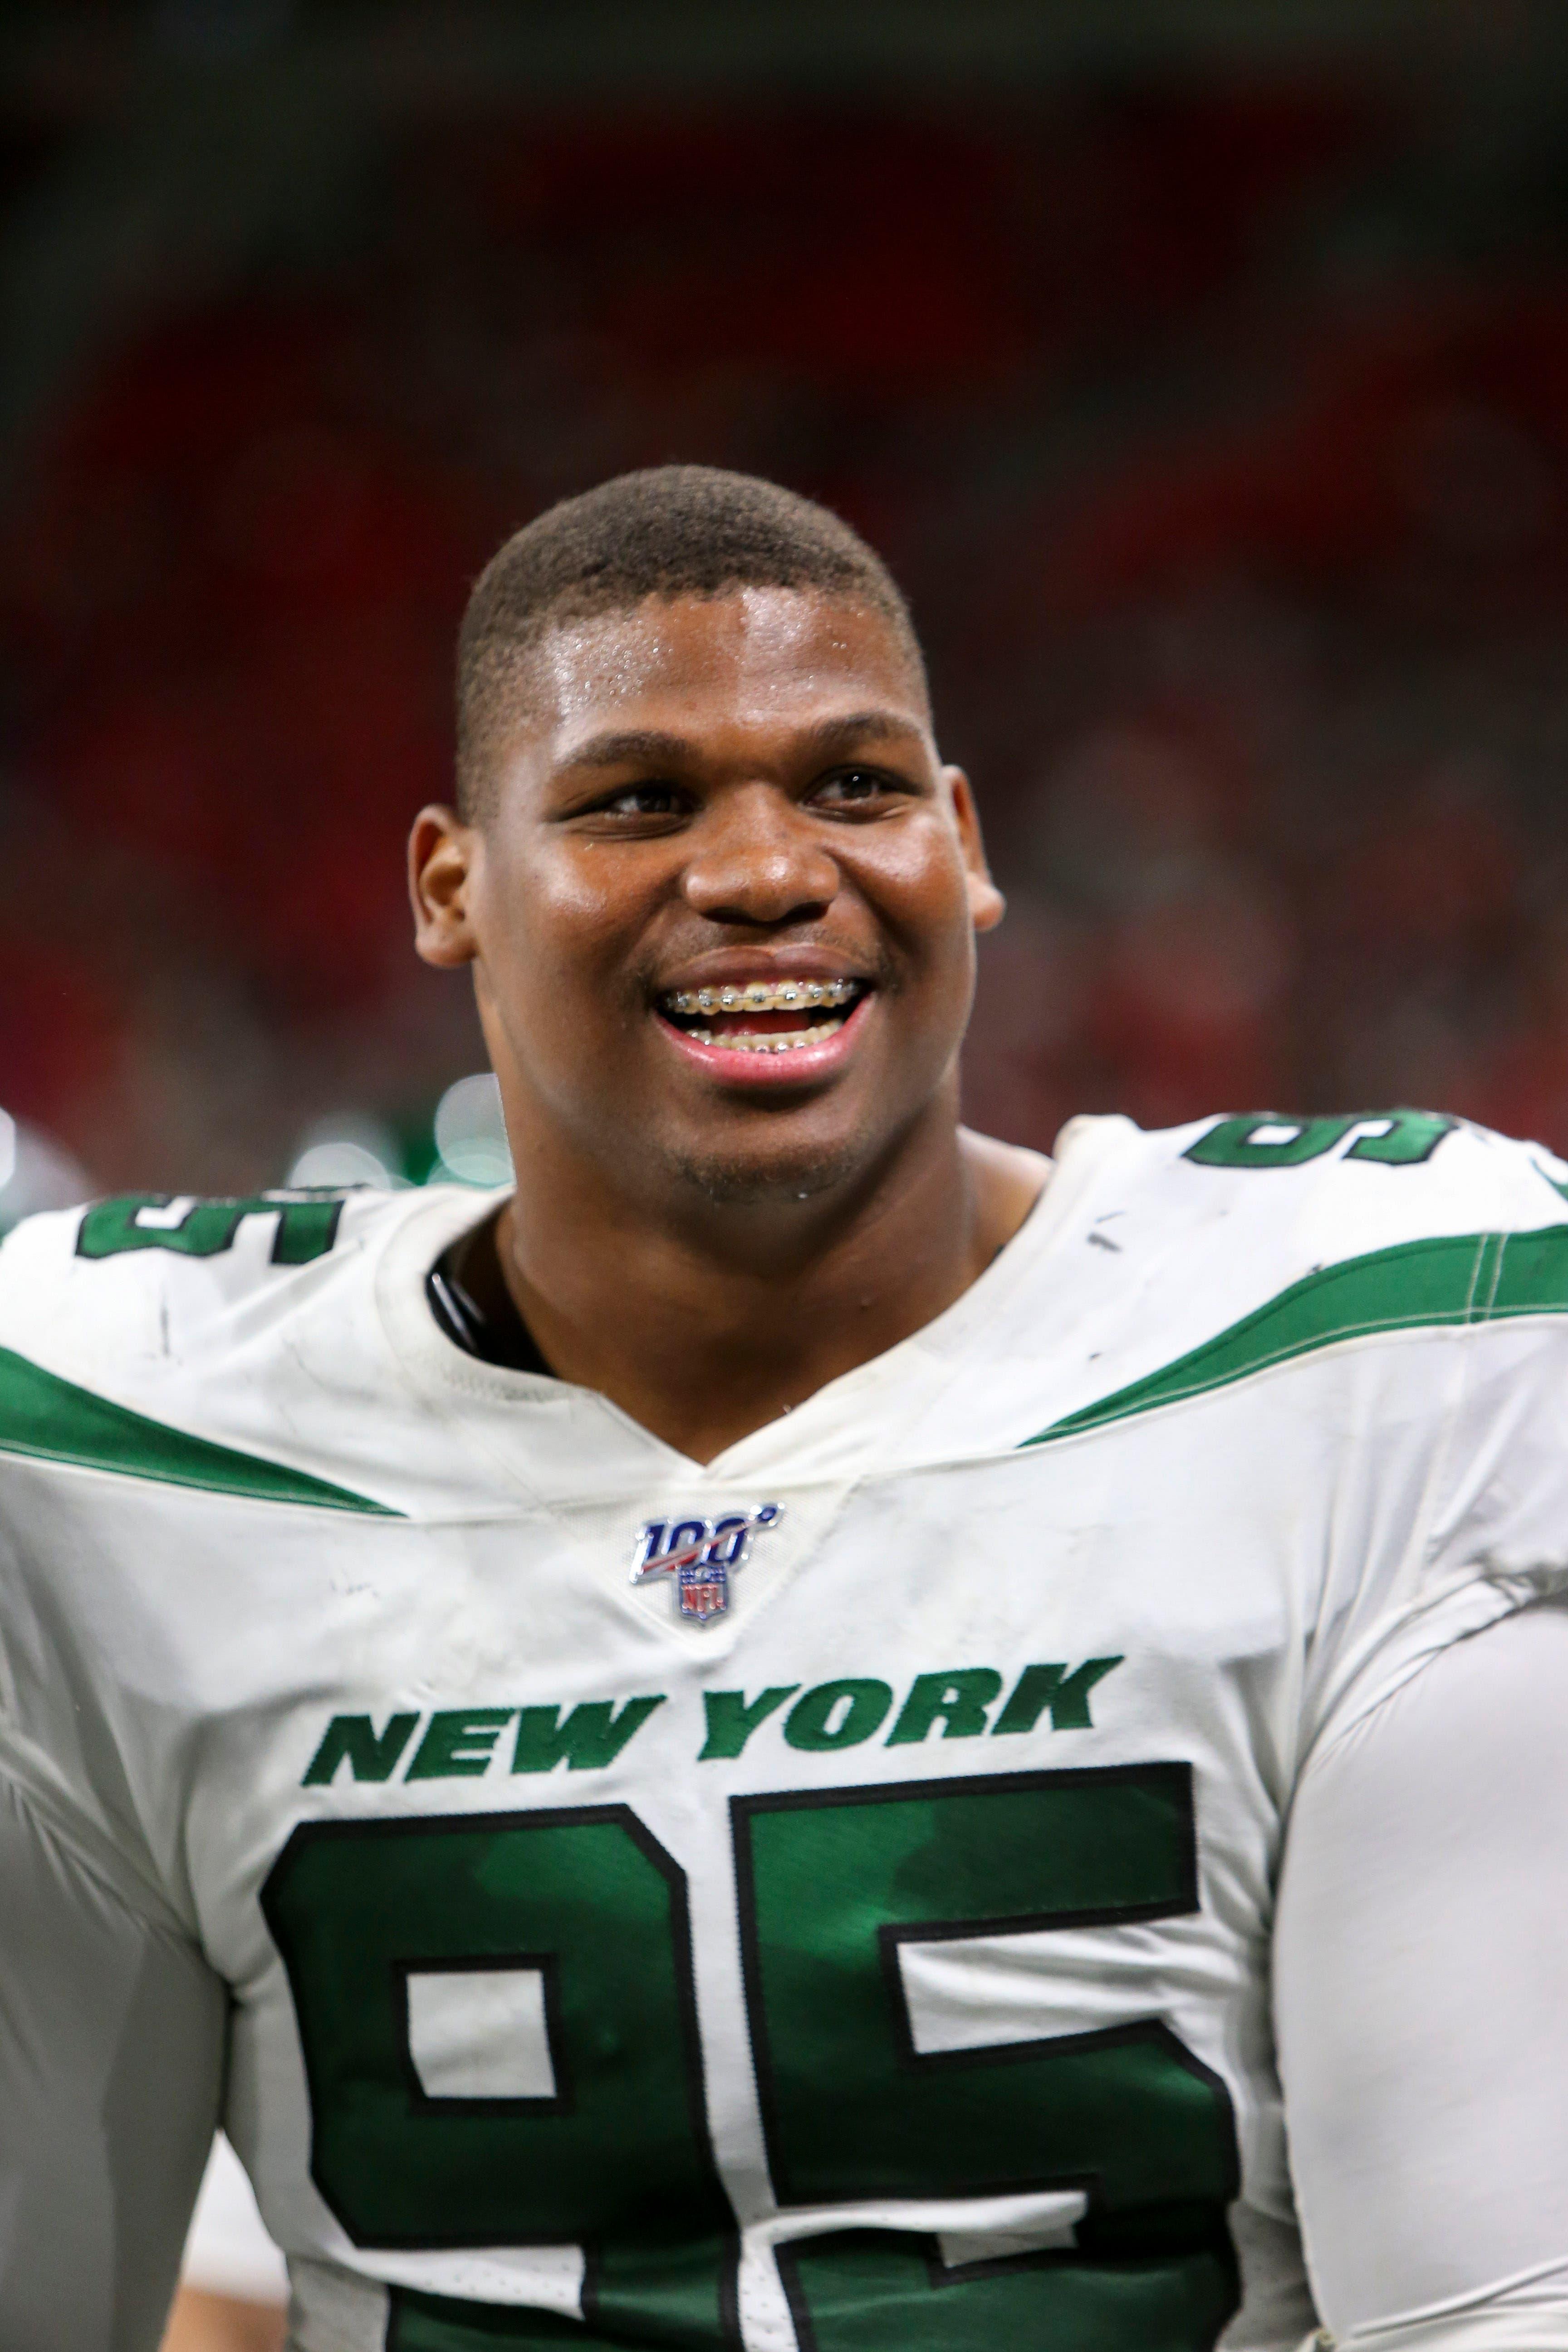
[(703, 1591), (699, 1555)]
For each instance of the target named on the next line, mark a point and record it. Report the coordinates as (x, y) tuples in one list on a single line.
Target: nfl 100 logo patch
[(700, 1554)]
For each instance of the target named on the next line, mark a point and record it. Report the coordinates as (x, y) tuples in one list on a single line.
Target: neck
[(706, 1322)]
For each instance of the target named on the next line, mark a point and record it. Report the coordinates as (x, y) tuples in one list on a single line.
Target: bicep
[(112, 2035), (1421, 1953)]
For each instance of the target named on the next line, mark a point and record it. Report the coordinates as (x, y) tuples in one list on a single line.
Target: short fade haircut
[(669, 531)]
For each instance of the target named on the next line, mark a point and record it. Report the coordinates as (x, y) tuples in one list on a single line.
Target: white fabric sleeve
[(1420, 2004), (111, 2042), (228, 2250)]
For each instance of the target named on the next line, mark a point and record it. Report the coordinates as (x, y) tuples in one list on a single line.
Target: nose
[(757, 858)]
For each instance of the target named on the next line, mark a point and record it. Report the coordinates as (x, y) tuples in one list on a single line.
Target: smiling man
[(818, 1733), (719, 894)]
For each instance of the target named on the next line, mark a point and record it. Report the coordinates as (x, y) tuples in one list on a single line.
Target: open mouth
[(761, 1016)]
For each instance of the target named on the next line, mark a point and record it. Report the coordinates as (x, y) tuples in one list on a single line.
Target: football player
[(815, 1735)]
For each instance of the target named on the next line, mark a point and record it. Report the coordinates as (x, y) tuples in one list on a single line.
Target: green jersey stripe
[(43, 1416), (1459, 1279)]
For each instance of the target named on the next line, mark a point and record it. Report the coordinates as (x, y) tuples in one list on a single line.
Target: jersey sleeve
[(111, 2022), (1421, 1947), (1453, 1406), (112, 2034)]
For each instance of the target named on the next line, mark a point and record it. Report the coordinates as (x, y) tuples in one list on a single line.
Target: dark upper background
[(1203, 372)]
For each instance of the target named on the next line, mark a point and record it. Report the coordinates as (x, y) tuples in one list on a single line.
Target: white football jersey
[(854, 1932)]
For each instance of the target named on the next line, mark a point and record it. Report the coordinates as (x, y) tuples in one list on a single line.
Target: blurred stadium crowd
[(1218, 428)]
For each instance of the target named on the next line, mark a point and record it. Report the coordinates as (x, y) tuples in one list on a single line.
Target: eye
[(852, 788), (649, 805), (644, 800)]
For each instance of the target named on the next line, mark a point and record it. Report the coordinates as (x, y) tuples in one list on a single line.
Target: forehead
[(756, 657)]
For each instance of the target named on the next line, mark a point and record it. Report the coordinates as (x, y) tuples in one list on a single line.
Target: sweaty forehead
[(754, 655)]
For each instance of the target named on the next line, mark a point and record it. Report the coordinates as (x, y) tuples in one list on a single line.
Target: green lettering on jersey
[(353, 1740), (957, 1701), (592, 1736), (55, 1420), (1049, 1688), (441, 2323), (619, 2163), (837, 1714), (1401, 1138), (1459, 1280), (837, 1891), (458, 1743), (306, 1224), (1272, 1139), (730, 1722), (1285, 1143)]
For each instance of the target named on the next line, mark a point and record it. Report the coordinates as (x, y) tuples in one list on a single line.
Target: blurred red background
[(1213, 413)]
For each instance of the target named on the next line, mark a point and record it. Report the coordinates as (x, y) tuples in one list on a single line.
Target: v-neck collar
[(832, 1435)]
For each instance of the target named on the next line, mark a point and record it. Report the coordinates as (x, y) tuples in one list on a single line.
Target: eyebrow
[(655, 747)]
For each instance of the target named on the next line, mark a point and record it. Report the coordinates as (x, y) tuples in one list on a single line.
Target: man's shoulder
[(226, 1347), (1294, 1193), (130, 1288), (1213, 1252)]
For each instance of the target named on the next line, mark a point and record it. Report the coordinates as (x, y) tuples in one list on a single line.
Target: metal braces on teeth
[(750, 1041), (762, 996)]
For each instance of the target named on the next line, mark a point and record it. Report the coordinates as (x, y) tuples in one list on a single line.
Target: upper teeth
[(763, 996)]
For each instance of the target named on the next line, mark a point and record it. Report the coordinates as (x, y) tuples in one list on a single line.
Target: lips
[(766, 1031)]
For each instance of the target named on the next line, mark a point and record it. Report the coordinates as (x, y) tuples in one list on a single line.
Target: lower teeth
[(751, 1041)]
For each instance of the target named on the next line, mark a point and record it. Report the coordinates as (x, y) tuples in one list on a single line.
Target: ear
[(443, 858), (987, 904)]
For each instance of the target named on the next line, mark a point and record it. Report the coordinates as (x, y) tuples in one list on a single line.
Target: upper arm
[(1421, 1956), (112, 2035)]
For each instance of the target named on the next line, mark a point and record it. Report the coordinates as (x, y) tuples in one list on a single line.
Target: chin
[(766, 1176)]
